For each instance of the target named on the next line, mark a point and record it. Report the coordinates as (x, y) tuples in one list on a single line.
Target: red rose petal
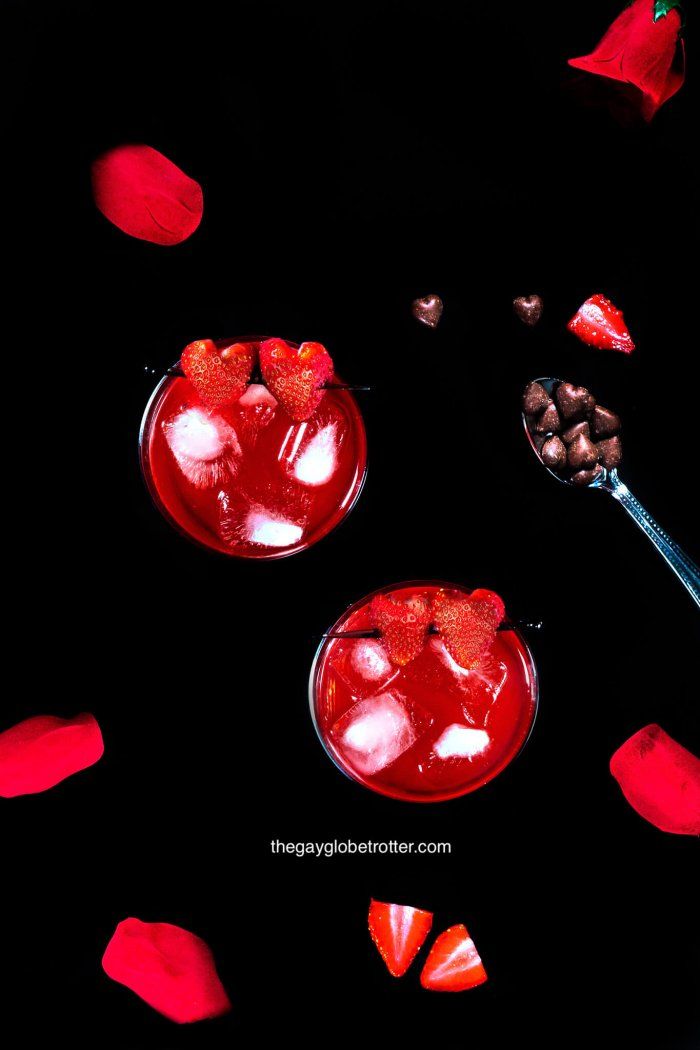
[(170, 968), (40, 752), (146, 195), (660, 779)]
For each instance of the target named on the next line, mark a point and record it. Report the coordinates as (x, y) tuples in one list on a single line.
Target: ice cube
[(378, 730), (363, 665), (259, 408), (317, 459), (480, 685), (271, 530), (458, 741), (204, 446)]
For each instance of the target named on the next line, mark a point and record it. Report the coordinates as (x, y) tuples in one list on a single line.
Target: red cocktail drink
[(432, 729), (244, 478)]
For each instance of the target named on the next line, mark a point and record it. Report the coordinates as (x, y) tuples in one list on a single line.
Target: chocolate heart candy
[(582, 453), (610, 452), (574, 401), (604, 423), (585, 477), (573, 432), (553, 453), (428, 310), (528, 308), (549, 421), (535, 399)]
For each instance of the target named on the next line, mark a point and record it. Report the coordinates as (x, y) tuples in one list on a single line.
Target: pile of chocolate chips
[(575, 437)]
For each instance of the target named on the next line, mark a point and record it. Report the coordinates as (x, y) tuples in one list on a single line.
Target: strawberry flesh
[(399, 932), (219, 377), (599, 323), (296, 375), (468, 625), (402, 625), (453, 964)]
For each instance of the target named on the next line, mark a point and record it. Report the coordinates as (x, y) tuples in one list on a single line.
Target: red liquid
[(245, 479), (428, 731)]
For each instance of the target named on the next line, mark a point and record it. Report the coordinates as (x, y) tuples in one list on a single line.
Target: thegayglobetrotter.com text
[(342, 847)]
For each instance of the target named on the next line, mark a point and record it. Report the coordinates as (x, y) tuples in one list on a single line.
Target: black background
[(352, 156)]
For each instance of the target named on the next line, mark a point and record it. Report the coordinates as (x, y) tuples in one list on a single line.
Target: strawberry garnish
[(468, 625), (220, 377), (598, 323), (402, 625), (295, 375), (398, 932), (453, 964)]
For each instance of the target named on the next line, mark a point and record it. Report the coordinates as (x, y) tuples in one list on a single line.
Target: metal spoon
[(608, 480)]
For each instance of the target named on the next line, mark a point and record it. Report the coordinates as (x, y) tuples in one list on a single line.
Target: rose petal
[(40, 752), (660, 779), (146, 195), (170, 968)]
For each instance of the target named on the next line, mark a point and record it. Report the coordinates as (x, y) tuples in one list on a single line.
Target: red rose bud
[(40, 752), (646, 54), (660, 779), (169, 968), (146, 195)]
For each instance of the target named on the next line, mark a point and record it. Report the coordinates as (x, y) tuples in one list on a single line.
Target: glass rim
[(443, 797)]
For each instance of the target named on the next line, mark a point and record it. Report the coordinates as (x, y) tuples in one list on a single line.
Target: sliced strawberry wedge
[(468, 625), (453, 964), (598, 323), (295, 375), (220, 377), (402, 625), (660, 779), (399, 933)]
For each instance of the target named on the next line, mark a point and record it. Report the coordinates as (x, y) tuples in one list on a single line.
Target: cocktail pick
[(373, 632)]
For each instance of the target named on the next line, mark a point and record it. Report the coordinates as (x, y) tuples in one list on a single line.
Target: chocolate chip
[(574, 401), (528, 308), (604, 422), (553, 453), (535, 399), (610, 452), (574, 431), (549, 421), (585, 477), (428, 310), (582, 453)]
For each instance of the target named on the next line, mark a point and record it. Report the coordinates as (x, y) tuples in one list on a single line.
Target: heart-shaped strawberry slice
[(220, 377), (453, 964), (295, 375), (468, 625), (398, 932), (402, 624)]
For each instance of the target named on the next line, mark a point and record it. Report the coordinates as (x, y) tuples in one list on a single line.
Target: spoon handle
[(684, 567)]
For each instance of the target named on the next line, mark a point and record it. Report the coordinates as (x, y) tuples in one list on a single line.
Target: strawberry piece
[(220, 377), (660, 779), (453, 964), (295, 375), (403, 625), (468, 625), (399, 932), (598, 323)]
